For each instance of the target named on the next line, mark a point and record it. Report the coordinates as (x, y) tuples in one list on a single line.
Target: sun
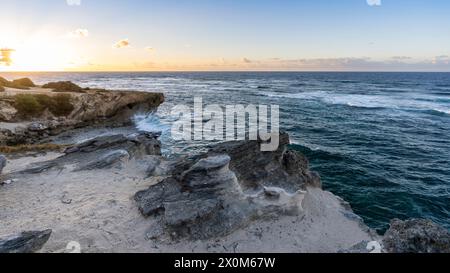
[(37, 53)]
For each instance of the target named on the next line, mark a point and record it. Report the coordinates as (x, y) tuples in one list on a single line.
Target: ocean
[(381, 141)]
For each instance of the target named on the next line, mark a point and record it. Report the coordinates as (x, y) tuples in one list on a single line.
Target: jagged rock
[(255, 169), (41, 167), (64, 86), (112, 149), (107, 160), (207, 201), (25, 82), (95, 144), (25, 242), (152, 163), (2, 163), (416, 236), (136, 144)]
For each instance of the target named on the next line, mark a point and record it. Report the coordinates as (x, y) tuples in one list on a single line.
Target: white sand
[(101, 215)]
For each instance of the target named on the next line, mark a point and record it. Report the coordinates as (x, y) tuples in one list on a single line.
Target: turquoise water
[(379, 140)]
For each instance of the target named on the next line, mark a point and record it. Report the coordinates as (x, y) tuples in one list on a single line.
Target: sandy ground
[(97, 210)]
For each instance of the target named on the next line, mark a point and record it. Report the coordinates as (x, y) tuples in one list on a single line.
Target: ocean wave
[(437, 112)]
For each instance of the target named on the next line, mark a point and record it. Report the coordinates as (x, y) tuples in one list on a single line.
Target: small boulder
[(25, 242), (64, 86), (416, 236)]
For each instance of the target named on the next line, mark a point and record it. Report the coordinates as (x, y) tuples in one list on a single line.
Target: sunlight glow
[(39, 52)]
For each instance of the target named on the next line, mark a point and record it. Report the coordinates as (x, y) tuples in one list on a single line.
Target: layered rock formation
[(99, 153), (227, 188), (25, 242), (416, 236), (34, 114)]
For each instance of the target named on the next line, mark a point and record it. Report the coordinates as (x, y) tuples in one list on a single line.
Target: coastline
[(87, 193)]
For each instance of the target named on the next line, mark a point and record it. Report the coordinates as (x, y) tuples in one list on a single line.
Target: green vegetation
[(33, 105), (64, 87), (23, 83)]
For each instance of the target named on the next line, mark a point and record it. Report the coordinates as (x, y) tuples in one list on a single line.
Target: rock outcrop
[(2, 163), (284, 168), (416, 236), (215, 193), (25, 242), (207, 201), (24, 83), (101, 153), (38, 113)]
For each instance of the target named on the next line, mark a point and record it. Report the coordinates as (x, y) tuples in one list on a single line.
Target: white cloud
[(441, 60), (73, 2), (374, 2), (122, 43), (79, 33)]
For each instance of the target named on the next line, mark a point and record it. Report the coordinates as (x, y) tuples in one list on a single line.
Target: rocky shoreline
[(116, 193)]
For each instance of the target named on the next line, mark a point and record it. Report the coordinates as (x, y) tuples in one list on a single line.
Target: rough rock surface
[(25, 242), (94, 107), (215, 193), (416, 236), (284, 168), (207, 201), (108, 160), (101, 152), (2, 163)]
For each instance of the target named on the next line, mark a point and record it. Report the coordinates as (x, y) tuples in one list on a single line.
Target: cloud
[(122, 43), (79, 33), (5, 56), (441, 60), (149, 49), (247, 61), (73, 2), (374, 2), (401, 58)]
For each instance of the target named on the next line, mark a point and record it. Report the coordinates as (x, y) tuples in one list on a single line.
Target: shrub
[(32, 105), (17, 84), (27, 105), (64, 87), (61, 105), (24, 82)]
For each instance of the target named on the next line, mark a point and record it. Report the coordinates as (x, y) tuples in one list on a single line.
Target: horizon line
[(232, 71)]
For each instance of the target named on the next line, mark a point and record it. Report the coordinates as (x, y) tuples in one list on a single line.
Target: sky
[(225, 35)]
